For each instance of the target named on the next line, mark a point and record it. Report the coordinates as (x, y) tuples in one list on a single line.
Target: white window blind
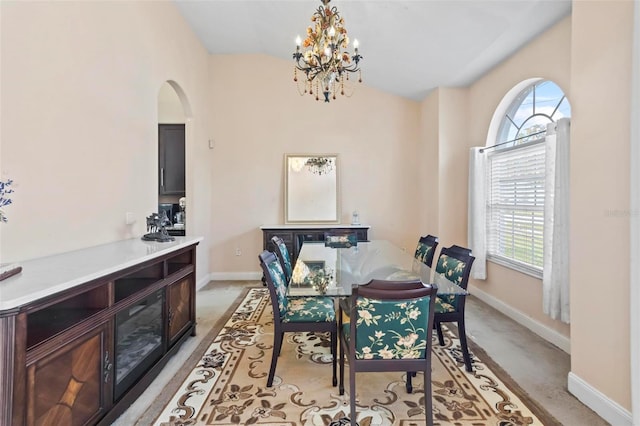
[(515, 206)]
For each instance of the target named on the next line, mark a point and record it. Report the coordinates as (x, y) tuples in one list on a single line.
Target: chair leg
[(463, 345), (341, 386), (409, 386), (334, 355), (438, 327), (277, 344), (281, 340), (352, 394), (428, 403)]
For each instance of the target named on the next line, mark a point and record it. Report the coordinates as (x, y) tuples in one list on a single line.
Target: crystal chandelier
[(326, 66)]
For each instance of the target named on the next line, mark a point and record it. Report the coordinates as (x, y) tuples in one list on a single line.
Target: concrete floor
[(540, 368)]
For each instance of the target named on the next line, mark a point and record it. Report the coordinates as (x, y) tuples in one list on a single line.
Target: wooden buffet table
[(294, 235), (82, 334)]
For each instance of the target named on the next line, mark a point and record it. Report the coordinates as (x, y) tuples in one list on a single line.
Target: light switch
[(129, 219)]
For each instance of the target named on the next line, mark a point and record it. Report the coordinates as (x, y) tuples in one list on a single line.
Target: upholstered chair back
[(392, 329), (276, 281), (282, 252), (426, 249), (454, 264)]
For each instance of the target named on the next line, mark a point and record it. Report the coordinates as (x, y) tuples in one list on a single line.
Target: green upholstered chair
[(425, 249), (454, 264), (282, 253), (340, 238), (299, 314), (388, 329)]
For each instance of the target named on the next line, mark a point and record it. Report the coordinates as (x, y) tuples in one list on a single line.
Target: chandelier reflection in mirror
[(322, 60), (319, 165), (316, 165)]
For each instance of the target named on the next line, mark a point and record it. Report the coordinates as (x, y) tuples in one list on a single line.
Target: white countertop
[(312, 226), (46, 276)]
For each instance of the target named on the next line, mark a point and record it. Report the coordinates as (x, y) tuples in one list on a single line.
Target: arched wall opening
[(174, 122)]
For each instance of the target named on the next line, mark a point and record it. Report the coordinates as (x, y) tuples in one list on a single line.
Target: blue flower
[(4, 200)]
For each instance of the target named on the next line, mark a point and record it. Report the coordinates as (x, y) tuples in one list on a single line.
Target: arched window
[(516, 173), (527, 117)]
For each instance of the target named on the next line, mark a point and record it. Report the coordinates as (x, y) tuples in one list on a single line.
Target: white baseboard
[(541, 330), (228, 276), (203, 281), (609, 410)]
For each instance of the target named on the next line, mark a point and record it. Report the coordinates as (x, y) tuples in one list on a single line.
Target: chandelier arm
[(305, 66), (311, 73)]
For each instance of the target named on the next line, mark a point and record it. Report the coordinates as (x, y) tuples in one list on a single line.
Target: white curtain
[(477, 222), (555, 277)]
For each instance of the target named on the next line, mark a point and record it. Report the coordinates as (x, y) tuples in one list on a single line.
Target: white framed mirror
[(311, 188)]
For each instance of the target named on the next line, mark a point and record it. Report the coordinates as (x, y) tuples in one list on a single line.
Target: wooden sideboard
[(294, 235), (82, 334)]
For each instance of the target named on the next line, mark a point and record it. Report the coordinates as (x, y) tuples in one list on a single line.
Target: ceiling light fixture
[(326, 66)]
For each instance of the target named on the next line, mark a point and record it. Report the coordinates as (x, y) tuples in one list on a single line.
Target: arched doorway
[(173, 113)]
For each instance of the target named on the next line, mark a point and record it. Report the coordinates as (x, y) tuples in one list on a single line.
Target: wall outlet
[(238, 252), (129, 219)]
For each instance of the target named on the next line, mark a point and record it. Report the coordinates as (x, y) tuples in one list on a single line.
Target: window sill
[(517, 266)]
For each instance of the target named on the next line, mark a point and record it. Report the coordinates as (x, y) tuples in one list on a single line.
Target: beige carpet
[(227, 384)]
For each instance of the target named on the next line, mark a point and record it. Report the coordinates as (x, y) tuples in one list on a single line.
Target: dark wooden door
[(172, 159)]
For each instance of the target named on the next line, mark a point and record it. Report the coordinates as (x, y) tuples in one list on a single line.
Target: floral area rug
[(228, 384)]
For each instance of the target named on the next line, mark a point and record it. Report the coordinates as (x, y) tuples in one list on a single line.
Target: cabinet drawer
[(311, 236), (362, 235), (287, 237)]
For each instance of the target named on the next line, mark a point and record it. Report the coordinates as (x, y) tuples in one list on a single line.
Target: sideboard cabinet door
[(70, 385), (180, 307)]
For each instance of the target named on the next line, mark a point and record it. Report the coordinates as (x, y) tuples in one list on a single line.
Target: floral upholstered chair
[(299, 314), (389, 329), (454, 264), (340, 239), (425, 249), (282, 252)]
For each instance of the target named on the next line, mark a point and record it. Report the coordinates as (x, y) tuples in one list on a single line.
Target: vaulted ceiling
[(409, 47)]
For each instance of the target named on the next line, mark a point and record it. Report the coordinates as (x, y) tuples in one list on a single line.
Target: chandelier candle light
[(326, 66)]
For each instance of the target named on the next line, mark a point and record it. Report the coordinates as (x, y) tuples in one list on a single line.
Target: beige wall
[(547, 57), (428, 165), (453, 167), (258, 117), (444, 165), (593, 68), (170, 109), (600, 94), (79, 101)]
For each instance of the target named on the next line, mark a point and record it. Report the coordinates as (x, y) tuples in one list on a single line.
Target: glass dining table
[(328, 271)]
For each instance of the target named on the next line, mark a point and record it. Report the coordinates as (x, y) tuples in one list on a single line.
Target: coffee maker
[(180, 216)]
